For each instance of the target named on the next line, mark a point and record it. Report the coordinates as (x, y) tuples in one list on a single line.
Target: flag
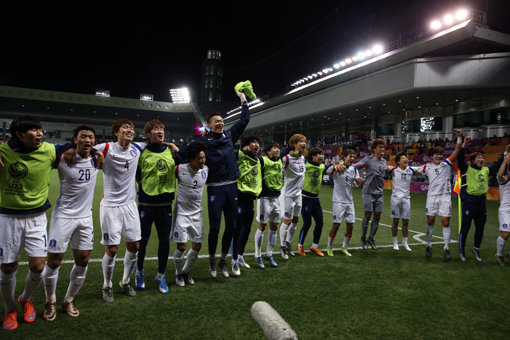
[(456, 188)]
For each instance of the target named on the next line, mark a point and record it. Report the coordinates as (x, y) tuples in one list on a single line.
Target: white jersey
[(119, 172), (294, 175), (504, 195), (77, 184), (402, 180), (343, 182), (439, 177), (191, 188)]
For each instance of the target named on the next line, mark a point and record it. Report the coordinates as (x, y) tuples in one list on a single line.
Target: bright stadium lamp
[(462, 14), (336, 66), (368, 53), (180, 96), (342, 63), (361, 55), (348, 61), (435, 25), (448, 19), (147, 97), (377, 49)]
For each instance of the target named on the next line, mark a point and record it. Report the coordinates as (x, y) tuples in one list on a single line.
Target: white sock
[(259, 236), (283, 233), (500, 245), (31, 283), (191, 257), (430, 231), (346, 242), (271, 241), (404, 240), (290, 232), (160, 276), (315, 245), (50, 283), (395, 241), (7, 287), (129, 265), (178, 258), (446, 236), (76, 279), (108, 263), (330, 242)]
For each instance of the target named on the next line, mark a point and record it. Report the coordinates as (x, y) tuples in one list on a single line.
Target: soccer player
[(118, 213), (314, 169), (188, 224), (504, 206), (473, 193), (439, 200), (222, 181), (373, 193), (344, 177), (71, 222), (294, 176), (156, 190), (268, 204), (401, 197), (24, 182)]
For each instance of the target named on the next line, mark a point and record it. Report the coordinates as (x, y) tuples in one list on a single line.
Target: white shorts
[(292, 207), (401, 207), (117, 221), (504, 220), (439, 205), (187, 227), (268, 209), (341, 210), (22, 231), (80, 231)]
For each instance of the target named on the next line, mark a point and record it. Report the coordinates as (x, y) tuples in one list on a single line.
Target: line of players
[(24, 177)]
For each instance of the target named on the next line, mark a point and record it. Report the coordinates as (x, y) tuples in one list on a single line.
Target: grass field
[(373, 294)]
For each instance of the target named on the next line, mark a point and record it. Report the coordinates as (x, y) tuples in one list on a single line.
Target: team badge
[(18, 170), (161, 164)]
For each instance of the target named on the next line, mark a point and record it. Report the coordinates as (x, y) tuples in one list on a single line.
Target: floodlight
[(354, 58), (377, 49), (361, 55), (180, 96), (336, 66), (348, 61), (368, 53), (342, 63), (448, 19), (435, 25), (461, 14), (102, 93), (314, 75), (146, 97)]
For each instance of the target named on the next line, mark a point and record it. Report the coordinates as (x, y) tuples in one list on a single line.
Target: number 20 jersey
[(77, 184)]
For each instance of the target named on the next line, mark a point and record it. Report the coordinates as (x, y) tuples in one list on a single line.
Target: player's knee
[(36, 268), (196, 247), (9, 268), (53, 262), (368, 214)]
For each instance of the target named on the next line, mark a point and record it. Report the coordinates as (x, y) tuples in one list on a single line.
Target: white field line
[(417, 237)]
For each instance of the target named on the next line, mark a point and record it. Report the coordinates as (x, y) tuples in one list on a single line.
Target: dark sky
[(132, 47)]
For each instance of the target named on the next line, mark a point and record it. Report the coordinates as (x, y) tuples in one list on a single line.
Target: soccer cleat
[(246, 88), (50, 311), (139, 280), (10, 321), (330, 252), (371, 242), (259, 262), (447, 254), (301, 251), (271, 260), (162, 285), (476, 252), (242, 262), (223, 267), (128, 289), (501, 260), (283, 253), (188, 279), (108, 294), (345, 252), (395, 246), (212, 268), (70, 308), (179, 280), (290, 252), (28, 310), (317, 251), (406, 247), (364, 244), (428, 252), (462, 256), (236, 270)]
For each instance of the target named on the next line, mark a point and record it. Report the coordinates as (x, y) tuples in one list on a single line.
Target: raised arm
[(502, 169), (458, 134), (463, 165)]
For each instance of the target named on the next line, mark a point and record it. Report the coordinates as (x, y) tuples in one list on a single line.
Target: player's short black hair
[(83, 127), (473, 156), (248, 139), (193, 149), (314, 151), (434, 150), (23, 124), (269, 146), (348, 152), (399, 155), (212, 114)]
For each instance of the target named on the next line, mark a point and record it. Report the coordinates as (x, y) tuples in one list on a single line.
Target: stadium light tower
[(180, 96)]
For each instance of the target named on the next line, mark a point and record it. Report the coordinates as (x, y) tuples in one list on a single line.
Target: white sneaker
[(406, 247), (212, 268), (179, 280), (224, 268), (395, 246), (283, 253), (242, 262), (236, 271)]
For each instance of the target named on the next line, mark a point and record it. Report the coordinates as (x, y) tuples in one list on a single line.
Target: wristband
[(459, 140)]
